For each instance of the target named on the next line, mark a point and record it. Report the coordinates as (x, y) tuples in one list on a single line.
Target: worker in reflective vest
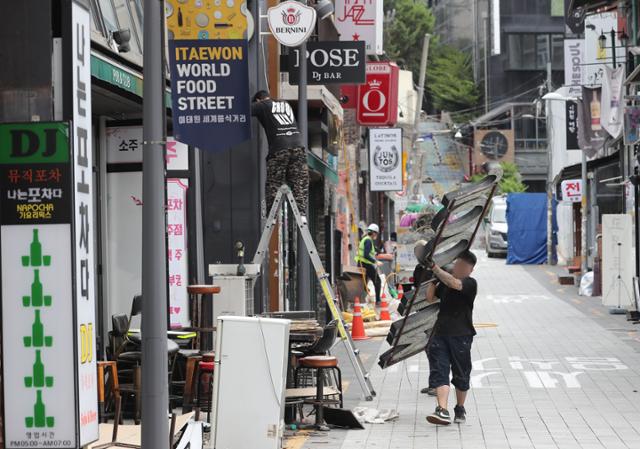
[(366, 258)]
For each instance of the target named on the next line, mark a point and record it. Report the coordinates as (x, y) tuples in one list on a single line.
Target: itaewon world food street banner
[(208, 60)]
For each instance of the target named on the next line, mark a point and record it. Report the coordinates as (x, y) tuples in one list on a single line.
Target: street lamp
[(554, 96)]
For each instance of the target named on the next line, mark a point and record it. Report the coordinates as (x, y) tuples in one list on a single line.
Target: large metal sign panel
[(378, 97), (49, 396), (455, 227)]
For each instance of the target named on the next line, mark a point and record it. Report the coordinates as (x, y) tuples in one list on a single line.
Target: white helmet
[(374, 228)]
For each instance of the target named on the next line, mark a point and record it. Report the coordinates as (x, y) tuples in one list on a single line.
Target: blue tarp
[(527, 234)]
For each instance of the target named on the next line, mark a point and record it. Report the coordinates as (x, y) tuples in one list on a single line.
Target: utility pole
[(549, 172), (416, 168), (155, 389), (485, 19), (303, 284)]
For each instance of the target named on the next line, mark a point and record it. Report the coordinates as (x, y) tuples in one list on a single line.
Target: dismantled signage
[(455, 227)]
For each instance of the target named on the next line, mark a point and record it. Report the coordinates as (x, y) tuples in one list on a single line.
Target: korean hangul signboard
[(378, 97), (361, 20), (385, 159), (571, 128), (48, 396), (208, 58), (571, 190), (330, 63), (177, 251)]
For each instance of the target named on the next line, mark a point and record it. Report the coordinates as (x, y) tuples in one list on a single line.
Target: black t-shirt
[(456, 309), (279, 123)]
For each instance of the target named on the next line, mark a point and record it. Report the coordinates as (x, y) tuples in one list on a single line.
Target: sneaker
[(430, 391), (440, 416), (460, 414)]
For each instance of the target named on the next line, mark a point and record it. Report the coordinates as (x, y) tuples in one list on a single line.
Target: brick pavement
[(550, 371)]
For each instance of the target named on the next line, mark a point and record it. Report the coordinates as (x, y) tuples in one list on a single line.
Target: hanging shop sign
[(378, 97), (385, 159), (361, 21), (209, 73), (330, 63), (574, 66), (47, 336), (591, 134), (571, 190), (571, 121), (597, 46), (291, 23), (631, 125)]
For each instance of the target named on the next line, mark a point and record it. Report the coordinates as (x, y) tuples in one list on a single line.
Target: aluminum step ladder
[(284, 194)]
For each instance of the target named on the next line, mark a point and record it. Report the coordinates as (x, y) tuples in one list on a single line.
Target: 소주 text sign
[(385, 159), (39, 317), (209, 73)]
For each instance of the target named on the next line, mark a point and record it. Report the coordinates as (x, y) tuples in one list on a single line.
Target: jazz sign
[(50, 385), (291, 23)]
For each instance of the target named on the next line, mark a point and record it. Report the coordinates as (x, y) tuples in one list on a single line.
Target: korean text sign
[(572, 190), (208, 58), (43, 332)]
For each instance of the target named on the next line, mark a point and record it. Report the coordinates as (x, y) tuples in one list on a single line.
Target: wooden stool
[(189, 377), (196, 293), (115, 387), (320, 363)]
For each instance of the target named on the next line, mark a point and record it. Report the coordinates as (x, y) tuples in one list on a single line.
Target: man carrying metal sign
[(450, 349)]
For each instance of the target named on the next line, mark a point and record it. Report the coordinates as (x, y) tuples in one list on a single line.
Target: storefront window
[(127, 20), (109, 16)]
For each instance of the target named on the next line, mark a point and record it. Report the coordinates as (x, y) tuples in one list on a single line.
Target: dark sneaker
[(430, 391), (440, 416), (460, 414)]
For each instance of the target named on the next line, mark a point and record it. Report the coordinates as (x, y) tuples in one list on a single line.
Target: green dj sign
[(42, 387)]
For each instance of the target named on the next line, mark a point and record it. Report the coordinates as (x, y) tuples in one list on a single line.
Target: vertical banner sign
[(574, 66), (378, 97), (631, 125), (209, 72), (177, 249), (38, 326), (385, 159), (591, 135), (495, 27), (597, 57), (361, 20), (84, 226), (572, 125)]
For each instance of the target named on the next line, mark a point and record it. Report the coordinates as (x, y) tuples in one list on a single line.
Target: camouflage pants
[(288, 167)]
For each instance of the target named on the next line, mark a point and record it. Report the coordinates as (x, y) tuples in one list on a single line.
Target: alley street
[(551, 370)]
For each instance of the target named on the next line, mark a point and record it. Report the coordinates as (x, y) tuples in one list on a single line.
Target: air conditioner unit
[(493, 145)]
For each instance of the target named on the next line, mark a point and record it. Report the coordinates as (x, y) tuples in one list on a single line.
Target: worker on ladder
[(287, 158), (366, 258)]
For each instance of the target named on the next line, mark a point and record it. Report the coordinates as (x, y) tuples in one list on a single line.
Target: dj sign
[(291, 23)]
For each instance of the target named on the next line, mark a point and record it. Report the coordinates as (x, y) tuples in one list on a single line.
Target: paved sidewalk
[(549, 372)]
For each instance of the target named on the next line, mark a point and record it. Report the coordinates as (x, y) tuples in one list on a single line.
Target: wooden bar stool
[(196, 293), (114, 386), (321, 363)]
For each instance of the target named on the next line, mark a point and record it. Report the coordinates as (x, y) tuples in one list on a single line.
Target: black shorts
[(450, 355)]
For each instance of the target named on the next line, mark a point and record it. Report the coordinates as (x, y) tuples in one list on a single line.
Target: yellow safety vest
[(361, 257)]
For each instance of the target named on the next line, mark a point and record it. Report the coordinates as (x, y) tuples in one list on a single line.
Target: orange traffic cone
[(384, 309), (357, 326), (400, 292)]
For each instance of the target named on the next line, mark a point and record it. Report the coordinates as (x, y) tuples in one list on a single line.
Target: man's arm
[(431, 292), (447, 279)]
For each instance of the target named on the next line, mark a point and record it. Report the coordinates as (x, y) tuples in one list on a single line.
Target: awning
[(575, 171), (321, 167), (588, 4)]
